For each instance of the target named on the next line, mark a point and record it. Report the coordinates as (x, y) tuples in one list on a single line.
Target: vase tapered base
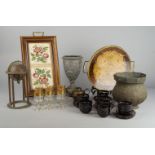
[(71, 90)]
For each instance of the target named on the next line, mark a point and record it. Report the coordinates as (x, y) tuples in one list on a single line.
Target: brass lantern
[(17, 72)]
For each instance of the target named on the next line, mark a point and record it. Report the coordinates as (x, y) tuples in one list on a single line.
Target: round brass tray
[(104, 64)]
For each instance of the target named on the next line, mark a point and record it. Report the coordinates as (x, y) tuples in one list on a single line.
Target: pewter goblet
[(72, 67)]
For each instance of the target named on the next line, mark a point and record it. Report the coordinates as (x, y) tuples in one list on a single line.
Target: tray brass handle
[(85, 66), (38, 34)]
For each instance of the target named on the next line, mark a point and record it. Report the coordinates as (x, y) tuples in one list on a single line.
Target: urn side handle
[(85, 67)]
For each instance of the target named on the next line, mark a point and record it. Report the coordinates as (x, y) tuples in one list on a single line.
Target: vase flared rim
[(72, 57)]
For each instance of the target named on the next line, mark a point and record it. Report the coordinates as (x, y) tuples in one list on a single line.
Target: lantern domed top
[(16, 67)]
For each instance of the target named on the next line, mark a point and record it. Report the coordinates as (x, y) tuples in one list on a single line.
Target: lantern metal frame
[(12, 102)]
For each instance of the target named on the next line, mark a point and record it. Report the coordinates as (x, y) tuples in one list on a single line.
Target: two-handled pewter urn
[(17, 72)]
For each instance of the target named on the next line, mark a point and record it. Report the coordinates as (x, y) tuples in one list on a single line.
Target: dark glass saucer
[(128, 115)]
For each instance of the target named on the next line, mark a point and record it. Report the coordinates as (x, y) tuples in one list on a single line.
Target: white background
[(77, 141)]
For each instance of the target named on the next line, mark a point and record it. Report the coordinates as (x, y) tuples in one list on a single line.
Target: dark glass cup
[(125, 107)]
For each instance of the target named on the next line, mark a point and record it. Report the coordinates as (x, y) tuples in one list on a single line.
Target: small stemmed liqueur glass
[(38, 98), (49, 97), (60, 96)]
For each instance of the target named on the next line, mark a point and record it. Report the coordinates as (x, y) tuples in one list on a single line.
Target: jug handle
[(87, 91), (84, 66), (93, 90)]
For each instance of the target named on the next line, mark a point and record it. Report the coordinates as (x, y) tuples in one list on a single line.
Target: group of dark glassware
[(103, 103)]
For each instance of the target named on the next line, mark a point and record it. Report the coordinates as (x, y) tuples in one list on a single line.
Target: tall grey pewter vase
[(72, 66)]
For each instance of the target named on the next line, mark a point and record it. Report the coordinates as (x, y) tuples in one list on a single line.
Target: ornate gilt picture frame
[(40, 55)]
